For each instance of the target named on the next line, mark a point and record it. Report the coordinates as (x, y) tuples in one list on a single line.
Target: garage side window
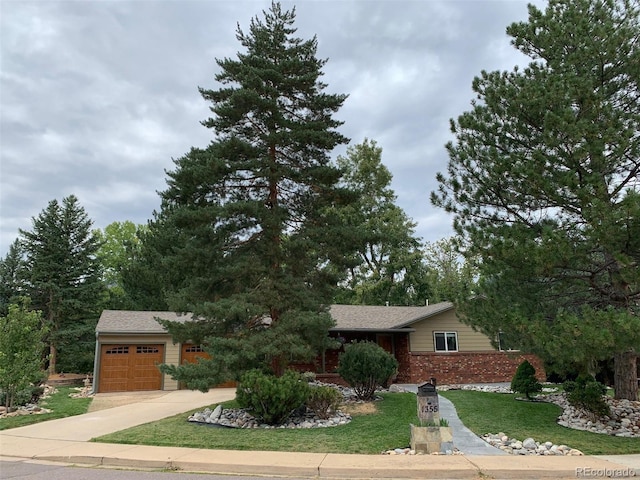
[(146, 349), (445, 341), (193, 349), (117, 350)]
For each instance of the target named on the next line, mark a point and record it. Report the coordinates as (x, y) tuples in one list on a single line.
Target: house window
[(445, 341)]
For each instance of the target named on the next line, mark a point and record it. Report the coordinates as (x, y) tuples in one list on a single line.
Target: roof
[(130, 321), (347, 318), (373, 317)]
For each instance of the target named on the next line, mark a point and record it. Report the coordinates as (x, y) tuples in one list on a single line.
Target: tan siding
[(171, 350), (172, 357), (468, 340)]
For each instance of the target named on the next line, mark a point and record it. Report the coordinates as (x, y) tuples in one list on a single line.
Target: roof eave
[(373, 330)]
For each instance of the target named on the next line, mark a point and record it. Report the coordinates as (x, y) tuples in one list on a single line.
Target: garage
[(190, 354), (129, 367)]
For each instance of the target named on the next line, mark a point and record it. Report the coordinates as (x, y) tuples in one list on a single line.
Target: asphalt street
[(36, 470)]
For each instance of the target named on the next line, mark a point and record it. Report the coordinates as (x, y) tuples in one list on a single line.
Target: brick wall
[(468, 367)]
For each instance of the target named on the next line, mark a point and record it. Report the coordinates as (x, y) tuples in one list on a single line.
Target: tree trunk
[(53, 357), (626, 375)]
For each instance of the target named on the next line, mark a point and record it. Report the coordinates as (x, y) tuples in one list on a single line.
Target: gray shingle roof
[(347, 317), (365, 317), (129, 321)]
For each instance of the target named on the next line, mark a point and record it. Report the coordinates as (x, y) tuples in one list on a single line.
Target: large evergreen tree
[(387, 266), (251, 215), (64, 281), (12, 274), (541, 181)]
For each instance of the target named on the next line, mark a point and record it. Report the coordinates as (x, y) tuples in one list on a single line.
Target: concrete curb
[(314, 465)]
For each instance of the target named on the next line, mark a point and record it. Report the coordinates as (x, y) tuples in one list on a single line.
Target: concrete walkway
[(464, 439), (66, 440)]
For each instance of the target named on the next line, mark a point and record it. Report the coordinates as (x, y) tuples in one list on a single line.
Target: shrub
[(272, 399), (525, 381), (323, 401), (587, 394), (365, 366)]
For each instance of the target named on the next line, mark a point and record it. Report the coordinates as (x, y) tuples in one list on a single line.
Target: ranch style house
[(428, 342)]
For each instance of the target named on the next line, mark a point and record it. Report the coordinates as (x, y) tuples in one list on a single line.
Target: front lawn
[(369, 433), (497, 412), (61, 405)]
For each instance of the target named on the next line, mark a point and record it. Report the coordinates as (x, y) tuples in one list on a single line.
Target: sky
[(97, 98)]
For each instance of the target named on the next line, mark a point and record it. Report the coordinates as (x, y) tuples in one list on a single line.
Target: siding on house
[(171, 350), (468, 340)]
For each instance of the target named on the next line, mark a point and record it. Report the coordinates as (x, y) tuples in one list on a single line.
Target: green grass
[(366, 433), (61, 405), (494, 412)]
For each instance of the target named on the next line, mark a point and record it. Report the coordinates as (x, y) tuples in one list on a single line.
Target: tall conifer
[(251, 214)]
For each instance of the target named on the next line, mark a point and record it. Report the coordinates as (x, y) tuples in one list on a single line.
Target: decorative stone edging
[(528, 446), (240, 418)]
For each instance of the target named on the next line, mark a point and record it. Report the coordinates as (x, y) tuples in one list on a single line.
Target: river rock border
[(305, 418), (240, 418), (528, 446)]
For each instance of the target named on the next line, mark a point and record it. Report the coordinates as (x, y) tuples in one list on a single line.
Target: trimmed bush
[(366, 366), (587, 394), (272, 399), (323, 401), (525, 381)]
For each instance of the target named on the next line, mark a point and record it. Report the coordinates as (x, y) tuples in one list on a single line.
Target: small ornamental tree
[(323, 401), (588, 395), (272, 399), (365, 366), (525, 381), (21, 346)]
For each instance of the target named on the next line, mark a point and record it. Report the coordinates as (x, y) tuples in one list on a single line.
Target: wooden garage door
[(125, 368), (190, 354)]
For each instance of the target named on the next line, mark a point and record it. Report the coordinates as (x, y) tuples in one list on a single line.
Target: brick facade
[(468, 367)]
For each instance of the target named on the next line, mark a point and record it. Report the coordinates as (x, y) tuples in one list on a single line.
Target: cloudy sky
[(98, 97)]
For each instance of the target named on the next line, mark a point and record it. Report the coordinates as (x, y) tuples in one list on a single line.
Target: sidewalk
[(66, 440)]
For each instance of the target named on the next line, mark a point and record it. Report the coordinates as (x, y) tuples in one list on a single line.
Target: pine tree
[(251, 214), (64, 281), (541, 181), (12, 273)]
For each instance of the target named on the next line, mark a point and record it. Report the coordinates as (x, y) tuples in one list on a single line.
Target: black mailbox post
[(428, 405)]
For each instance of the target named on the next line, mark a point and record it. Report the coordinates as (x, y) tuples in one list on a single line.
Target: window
[(445, 341), (193, 349), (117, 351), (145, 349), (506, 343)]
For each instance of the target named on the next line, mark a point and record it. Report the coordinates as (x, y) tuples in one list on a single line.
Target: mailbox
[(428, 405)]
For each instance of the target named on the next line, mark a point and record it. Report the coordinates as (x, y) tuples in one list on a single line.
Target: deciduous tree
[(21, 345), (541, 181), (120, 245), (387, 266)]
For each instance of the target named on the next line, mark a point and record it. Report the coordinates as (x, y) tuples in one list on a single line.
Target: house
[(428, 342)]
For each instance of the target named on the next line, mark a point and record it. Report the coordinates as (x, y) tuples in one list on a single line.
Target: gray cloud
[(96, 98)]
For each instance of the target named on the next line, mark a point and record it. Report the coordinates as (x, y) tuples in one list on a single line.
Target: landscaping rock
[(623, 422), (528, 446)]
